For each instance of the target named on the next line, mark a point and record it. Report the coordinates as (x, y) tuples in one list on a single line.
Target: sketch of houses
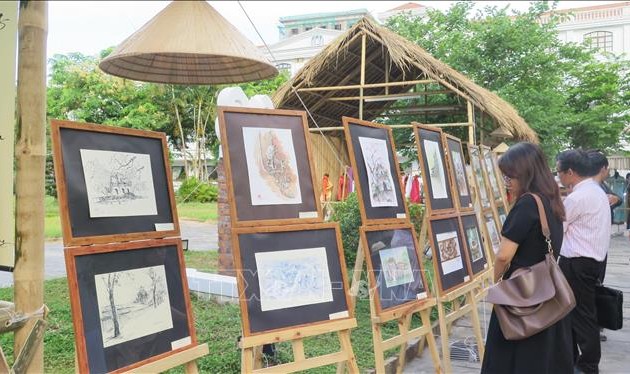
[(271, 166), (293, 278), (380, 180), (118, 184), (396, 266), (132, 304)]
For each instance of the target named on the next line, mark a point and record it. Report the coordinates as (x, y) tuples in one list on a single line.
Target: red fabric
[(326, 189), (340, 188), (414, 196)]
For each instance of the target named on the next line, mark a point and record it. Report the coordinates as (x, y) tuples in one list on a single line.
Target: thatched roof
[(339, 64)]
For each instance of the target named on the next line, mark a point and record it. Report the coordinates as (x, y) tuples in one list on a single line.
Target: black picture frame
[(458, 172), (355, 130), (386, 243), (432, 136), (245, 212), (278, 248), (79, 227), (474, 243), (447, 230), (95, 274), (475, 163)]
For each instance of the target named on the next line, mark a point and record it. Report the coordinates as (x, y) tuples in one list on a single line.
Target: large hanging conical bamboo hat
[(188, 42)]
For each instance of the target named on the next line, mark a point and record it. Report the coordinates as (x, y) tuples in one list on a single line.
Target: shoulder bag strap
[(544, 224)]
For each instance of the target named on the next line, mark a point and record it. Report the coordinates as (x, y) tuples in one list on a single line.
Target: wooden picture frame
[(447, 231), (491, 172), (101, 174), (478, 176), (435, 175), (155, 276), (474, 243), (261, 190), (303, 248), (396, 244), (381, 209), (458, 173)]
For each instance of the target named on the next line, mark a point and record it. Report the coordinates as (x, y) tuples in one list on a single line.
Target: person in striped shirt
[(585, 246)]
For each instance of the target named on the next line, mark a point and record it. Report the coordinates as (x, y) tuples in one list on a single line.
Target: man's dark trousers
[(583, 273)]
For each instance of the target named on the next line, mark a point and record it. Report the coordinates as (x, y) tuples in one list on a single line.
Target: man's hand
[(612, 199)]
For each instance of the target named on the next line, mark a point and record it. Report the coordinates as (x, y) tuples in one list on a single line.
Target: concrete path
[(615, 351), (201, 236)]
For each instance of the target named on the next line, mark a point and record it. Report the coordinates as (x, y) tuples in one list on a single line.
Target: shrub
[(193, 190), (347, 214), (416, 214)]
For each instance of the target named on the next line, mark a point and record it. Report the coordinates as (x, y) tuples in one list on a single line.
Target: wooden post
[(363, 47), (30, 166), (471, 123)]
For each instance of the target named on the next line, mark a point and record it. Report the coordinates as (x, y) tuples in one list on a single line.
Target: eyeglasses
[(507, 179)]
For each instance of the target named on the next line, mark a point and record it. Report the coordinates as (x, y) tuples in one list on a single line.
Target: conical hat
[(188, 42)]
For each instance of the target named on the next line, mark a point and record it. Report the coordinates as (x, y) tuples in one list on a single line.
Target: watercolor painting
[(460, 173), (380, 180), (271, 166), (435, 169), (118, 184), (474, 244), (293, 278), (396, 266), (450, 253), (132, 304)]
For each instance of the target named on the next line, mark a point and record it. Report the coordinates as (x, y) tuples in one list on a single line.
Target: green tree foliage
[(559, 89)]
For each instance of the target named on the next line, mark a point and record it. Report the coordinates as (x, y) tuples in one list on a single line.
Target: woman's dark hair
[(526, 163)]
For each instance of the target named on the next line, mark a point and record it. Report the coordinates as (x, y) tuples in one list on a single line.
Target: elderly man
[(584, 248)]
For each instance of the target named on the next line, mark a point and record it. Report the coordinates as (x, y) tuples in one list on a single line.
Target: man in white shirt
[(584, 248)]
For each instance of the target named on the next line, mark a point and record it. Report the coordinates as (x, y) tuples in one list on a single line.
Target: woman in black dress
[(522, 244)]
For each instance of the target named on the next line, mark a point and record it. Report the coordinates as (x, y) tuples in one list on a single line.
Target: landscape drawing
[(460, 173), (450, 254), (293, 278), (118, 184), (474, 244), (271, 166), (491, 176), (132, 304), (396, 266), (482, 185), (435, 169), (380, 180), (494, 234)]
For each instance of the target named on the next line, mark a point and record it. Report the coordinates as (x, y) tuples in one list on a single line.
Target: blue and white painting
[(293, 278)]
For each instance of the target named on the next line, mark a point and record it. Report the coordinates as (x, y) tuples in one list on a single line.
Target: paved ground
[(615, 351), (201, 237)]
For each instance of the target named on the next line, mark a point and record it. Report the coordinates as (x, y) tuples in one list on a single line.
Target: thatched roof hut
[(366, 70)]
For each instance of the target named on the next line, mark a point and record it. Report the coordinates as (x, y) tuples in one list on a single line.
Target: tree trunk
[(112, 306), (30, 166), (181, 133)]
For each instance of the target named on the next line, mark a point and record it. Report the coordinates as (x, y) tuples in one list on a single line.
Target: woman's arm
[(507, 250)]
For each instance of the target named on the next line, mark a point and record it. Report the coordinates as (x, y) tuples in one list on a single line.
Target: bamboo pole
[(30, 166), (408, 95), (471, 121), (340, 128), (386, 84), (363, 48)]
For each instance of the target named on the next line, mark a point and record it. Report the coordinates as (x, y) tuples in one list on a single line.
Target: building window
[(283, 66), (601, 40), (338, 26), (317, 41), (307, 28), (294, 31)]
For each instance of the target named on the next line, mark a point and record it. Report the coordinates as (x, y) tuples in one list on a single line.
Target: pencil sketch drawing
[(491, 176), (396, 266), (271, 166), (474, 244), (476, 164), (118, 184), (380, 180), (450, 254), (293, 278), (435, 169), (494, 234), (460, 172), (132, 304)]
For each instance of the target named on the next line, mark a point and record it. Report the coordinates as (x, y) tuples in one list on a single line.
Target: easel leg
[(476, 324), (379, 354), (346, 346), (356, 278), (247, 359), (298, 350), (191, 368), (430, 339), (446, 349), (258, 357), (403, 327)]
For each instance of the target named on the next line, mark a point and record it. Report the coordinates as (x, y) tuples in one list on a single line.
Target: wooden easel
[(250, 356), (188, 358)]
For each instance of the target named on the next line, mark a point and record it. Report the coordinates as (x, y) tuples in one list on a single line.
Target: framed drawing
[(438, 196), (502, 214), (457, 169), (493, 232), (491, 172), (480, 182), (290, 276), (474, 243), (130, 304), (268, 168), (394, 266), (450, 259), (377, 175), (114, 184)]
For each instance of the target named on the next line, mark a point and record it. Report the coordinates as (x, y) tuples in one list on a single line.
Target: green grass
[(219, 325), (204, 212)]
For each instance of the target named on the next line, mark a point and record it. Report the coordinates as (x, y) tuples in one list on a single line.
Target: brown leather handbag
[(534, 297)]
